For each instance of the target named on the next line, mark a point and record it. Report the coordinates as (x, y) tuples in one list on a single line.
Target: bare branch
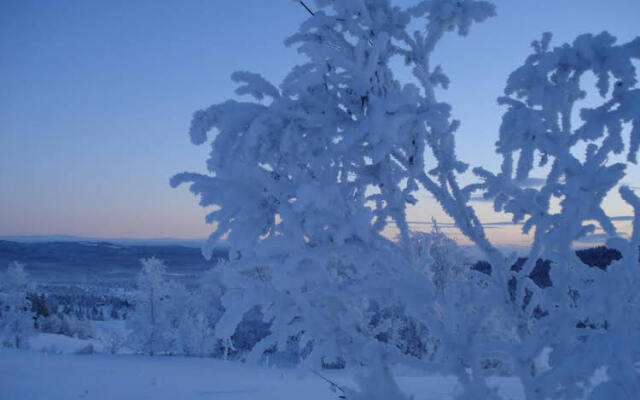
[(329, 381), (306, 8)]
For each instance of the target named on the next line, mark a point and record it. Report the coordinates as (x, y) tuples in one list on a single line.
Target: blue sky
[(97, 96)]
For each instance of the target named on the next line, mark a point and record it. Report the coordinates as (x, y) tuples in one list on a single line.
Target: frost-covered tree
[(307, 176), (159, 306), (587, 318), (16, 318)]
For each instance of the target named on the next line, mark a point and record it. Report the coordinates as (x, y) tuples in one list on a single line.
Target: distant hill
[(100, 262), (123, 241)]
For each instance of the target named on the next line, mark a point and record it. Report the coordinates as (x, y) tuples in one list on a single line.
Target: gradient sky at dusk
[(96, 98)]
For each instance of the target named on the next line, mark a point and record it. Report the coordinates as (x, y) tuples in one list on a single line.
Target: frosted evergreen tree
[(16, 318)]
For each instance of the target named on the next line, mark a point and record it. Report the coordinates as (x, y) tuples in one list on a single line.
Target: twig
[(313, 14), (332, 383), (306, 8)]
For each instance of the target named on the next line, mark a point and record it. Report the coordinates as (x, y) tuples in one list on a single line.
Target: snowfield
[(36, 375)]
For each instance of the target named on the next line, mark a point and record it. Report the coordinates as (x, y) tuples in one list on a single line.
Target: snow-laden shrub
[(65, 324), (202, 310), (112, 340), (16, 318), (196, 336)]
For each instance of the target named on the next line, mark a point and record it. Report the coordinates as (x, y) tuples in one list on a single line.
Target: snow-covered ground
[(33, 375), (61, 375)]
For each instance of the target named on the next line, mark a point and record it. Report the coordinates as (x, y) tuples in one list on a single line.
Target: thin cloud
[(622, 218), (531, 182), (452, 225), (599, 238), (481, 199)]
